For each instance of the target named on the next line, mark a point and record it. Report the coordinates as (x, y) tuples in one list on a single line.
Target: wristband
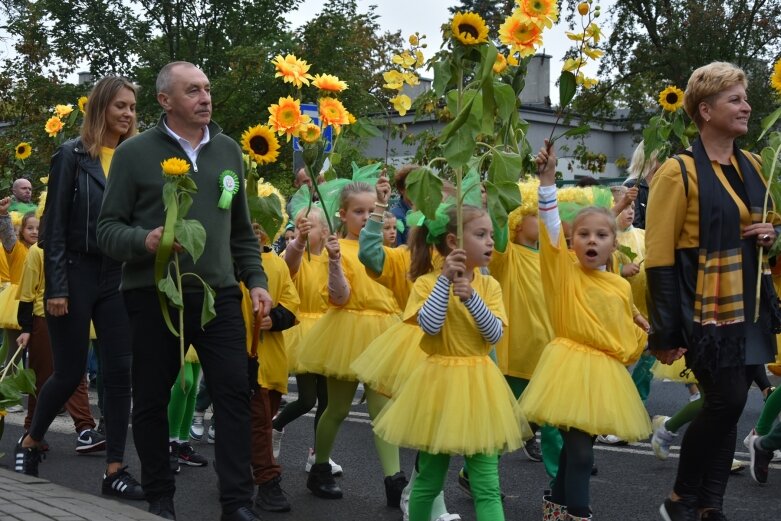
[(378, 215), (381, 205)]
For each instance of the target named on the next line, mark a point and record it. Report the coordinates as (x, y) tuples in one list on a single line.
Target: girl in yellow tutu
[(441, 408), (580, 384), (360, 310)]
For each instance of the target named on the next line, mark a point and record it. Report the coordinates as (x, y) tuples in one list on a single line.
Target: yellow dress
[(9, 302), (311, 277), (344, 332), (517, 269), (580, 381), (457, 401), (272, 354)]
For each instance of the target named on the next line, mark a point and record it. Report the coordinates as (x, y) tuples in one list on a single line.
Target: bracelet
[(380, 216), (381, 205)]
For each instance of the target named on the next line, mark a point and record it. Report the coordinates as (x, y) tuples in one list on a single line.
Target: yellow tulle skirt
[(293, 336), (454, 405), (337, 339), (389, 361), (9, 307), (575, 386), (673, 372)]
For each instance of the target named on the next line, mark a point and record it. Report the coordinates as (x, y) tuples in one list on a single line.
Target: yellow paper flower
[(23, 150), (572, 64), (592, 53), (522, 33), (350, 118), (419, 58), (512, 59), (267, 190), (53, 126), (583, 8), (332, 112), (292, 70), (329, 83), (83, 104), (576, 37), (528, 190), (402, 103), (594, 32), (413, 39), (671, 98), (286, 117), (588, 83), (16, 218), (469, 28), (545, 11), (63, 111), (405, 60), (410, 78), (45, 180), (260, 143), (42, 200), (775, 78), (175, 167), (394, 80), (500, 64), (309, 133)]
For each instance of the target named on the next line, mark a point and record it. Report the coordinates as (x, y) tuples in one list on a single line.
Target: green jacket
[(133, 206)]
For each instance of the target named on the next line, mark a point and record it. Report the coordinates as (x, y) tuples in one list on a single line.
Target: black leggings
[(571, 487), (311, 389), (93, 287), (708, 446)]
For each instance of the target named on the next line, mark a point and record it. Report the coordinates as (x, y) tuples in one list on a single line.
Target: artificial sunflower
[(53, 126), (545, 11), (775, 78), (175, 167), (23, 150), (260, 143), (332, 112), (469, 28), (309, 133), (63, 111), (292, 70), (402, 103), (329, 83), (286, 117), (671, 98), (522, 33), (500, 64), (83, 104), (351, 118)]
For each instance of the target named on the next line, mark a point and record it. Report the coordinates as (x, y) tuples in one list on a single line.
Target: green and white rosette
[(229, 186)]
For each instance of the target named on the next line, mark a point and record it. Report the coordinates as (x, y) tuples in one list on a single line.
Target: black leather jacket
[(75, 196)]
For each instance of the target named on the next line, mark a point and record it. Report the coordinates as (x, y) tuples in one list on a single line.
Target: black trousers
[(93, 293), (708, 446), (223, 354)]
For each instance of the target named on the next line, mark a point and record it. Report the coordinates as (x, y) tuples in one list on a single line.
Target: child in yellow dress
[(360, 310), (581, 384), (441, 409)]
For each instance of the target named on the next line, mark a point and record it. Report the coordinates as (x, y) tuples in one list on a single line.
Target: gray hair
[(163, 82)]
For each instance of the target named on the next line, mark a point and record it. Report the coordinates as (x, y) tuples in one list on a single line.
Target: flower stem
[(11, 362), (181, 321), (773, 167)]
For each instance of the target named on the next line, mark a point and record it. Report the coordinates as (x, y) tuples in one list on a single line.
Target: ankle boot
[(394, 485), (552, 511), (570, 517), (322, 483)]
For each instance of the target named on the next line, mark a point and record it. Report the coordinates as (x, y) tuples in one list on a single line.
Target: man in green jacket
[(129, 230)]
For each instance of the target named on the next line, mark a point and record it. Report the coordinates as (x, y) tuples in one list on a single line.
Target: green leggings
[(182, 403), (340, 399), (685, 414), (483, 480), (769, 413)]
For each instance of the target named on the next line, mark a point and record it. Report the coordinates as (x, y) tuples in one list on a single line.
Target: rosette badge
[(229, 186)]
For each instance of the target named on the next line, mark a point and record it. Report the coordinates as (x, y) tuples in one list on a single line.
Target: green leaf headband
[(435, 227)]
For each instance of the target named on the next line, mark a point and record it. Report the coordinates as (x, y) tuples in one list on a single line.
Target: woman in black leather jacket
[(82, 284)]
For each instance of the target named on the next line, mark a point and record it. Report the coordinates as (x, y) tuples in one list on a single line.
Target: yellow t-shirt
[(590, 307), (459, 335), (365, 293), (106, 155), (31, 284), (529, 330), (634, 239), (16, 261), (311, 277), (5, 273), (272, 354)]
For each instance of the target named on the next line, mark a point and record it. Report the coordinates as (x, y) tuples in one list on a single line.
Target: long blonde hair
[(94, 127)]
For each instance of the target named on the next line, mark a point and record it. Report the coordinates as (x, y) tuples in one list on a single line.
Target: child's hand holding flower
[(546, 164), (332, 246), (455, 265)]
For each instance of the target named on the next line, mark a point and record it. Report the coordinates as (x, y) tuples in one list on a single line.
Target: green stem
[(438, 159), (459, 174), (11, 362), (773, 166), (181, 322)]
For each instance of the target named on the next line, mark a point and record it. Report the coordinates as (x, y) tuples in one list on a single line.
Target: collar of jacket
[(214, 128), (90, 165)]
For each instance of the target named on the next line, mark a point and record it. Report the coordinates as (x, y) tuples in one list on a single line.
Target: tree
[(493, 12)]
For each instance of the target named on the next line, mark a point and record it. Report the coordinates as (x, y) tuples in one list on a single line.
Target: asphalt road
[(630, 485)]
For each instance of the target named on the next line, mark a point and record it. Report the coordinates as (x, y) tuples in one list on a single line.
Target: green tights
[(769, 413), (182, 403), (340, 399), (483, 480), (685, 414)]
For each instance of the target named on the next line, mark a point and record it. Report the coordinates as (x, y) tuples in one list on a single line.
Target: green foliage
[(424, 189), (627, 252)]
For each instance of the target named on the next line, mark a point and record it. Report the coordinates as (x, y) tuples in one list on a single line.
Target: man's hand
[(152, 241), (668, 356), (5, 204), (260, 300), (57, 307)]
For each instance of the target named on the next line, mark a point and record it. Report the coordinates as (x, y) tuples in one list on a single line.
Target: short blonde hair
[(639, 167), (707, 81)]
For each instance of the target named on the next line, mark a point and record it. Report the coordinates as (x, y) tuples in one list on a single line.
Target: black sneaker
[(242, 514), (678, 511), (173, 457), (394, 485), (760, 460), (532, 449), (163, 507), (121, 484), (713, 515), (27, 460), (322, 483), (188, 456), (90, 441), (271, 498)]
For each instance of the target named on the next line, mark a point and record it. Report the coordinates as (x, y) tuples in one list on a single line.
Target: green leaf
[(580, 130), (363, 127), (267, 212), (505, 167), (207, 308), (424, 189), (505, 100), (24, 379), (627, 252), (469, 96), (366, 172), (192, 236), (768, 122), (169, 195), (503, 198), (458, 149), (488, 55), (167, 287), (187, 184), (567, 87), (442, 76), (185, 202), (487, 109), (679, 127), (335, 158)]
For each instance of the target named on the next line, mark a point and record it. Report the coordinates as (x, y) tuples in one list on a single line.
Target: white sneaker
[(611, 439), (276, 441), (737, 466), (336, 469), (694, 397), (662, 439), (776, 455), (15, 408), (449, 517), (196, 428), (747, 440), (211, 434)]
